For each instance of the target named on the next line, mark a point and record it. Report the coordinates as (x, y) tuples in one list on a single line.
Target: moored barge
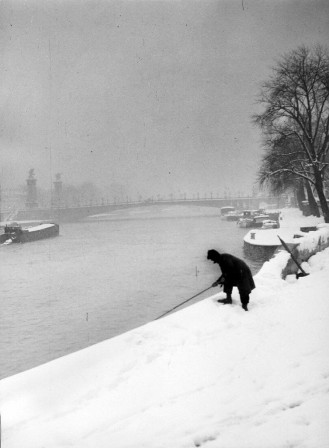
[(15, 233)]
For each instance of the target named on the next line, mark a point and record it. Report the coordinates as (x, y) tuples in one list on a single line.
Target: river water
[(105, 276)]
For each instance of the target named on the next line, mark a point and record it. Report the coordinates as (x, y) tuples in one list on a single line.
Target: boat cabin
[(270, 224), (13, 228), (225, 210), (249, 213)]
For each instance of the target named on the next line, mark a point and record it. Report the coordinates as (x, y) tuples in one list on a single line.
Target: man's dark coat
[(235, 272)]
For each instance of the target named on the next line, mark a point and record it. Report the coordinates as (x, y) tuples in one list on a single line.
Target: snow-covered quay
[(209, 375)]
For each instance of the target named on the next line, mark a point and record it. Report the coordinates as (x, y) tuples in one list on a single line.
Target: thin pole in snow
[(177, 306)]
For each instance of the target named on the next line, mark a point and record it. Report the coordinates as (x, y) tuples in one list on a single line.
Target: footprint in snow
[(200, 440)]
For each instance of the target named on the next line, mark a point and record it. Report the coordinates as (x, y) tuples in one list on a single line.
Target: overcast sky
[(156, 95)]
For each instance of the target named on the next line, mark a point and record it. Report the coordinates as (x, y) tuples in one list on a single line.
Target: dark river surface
[(105, 276)]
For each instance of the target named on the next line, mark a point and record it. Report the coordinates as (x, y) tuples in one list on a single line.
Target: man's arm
[(220, 281)]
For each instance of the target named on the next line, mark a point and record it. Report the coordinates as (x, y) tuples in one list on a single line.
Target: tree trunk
[(320, 190), (300, 194), (314, 209)]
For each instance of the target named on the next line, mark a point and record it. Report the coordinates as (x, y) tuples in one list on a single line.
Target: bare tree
[(277, 171), (296, 114)]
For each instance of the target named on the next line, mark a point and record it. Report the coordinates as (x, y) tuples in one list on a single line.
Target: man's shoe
[(226, 301), (245, 307)]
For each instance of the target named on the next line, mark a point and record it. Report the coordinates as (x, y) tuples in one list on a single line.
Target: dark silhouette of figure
[(235, 272)]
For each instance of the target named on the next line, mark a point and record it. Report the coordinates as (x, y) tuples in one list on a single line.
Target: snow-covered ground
[(210, 375)]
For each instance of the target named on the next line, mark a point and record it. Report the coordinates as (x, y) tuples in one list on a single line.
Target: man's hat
[(213, 254)]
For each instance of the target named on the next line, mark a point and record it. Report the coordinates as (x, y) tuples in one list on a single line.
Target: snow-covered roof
[(269, 237), (39, 227)]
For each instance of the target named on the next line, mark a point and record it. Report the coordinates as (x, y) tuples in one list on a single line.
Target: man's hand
[(218, 283)]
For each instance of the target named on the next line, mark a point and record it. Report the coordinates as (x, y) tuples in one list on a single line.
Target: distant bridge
[(72, 214)]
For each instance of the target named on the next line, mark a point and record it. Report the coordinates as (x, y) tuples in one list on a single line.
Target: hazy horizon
[(154, 95)]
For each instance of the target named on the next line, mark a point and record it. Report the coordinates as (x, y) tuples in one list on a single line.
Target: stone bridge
[(72, 214)]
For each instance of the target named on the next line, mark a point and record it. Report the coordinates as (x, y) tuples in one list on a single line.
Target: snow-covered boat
[(15, 233), (262, 243), (252, 218), (272, 214), (225, 210), (233, 216), (270, 224)]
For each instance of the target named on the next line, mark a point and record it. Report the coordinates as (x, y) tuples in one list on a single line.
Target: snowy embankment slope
[(210, 375)]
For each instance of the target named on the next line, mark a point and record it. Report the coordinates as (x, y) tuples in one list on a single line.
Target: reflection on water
[(102, 277)]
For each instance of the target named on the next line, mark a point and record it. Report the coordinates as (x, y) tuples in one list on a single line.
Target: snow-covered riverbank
[(209, 375)]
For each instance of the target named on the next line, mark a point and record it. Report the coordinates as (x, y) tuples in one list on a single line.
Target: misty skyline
[(156, 96)]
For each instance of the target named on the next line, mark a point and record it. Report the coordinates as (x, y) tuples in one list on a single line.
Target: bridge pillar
[(58, 191), (31, 197)]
